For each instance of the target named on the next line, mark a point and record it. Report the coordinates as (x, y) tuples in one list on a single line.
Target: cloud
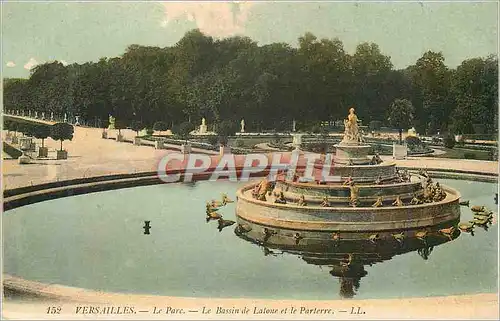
[(31, 63), (10, 64), (217, 19)]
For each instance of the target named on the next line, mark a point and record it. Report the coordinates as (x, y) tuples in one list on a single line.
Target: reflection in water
[(346, 259)]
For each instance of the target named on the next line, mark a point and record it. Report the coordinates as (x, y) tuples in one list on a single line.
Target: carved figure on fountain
[(351, 131)]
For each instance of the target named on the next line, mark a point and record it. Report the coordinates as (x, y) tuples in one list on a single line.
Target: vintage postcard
[(250, 160)]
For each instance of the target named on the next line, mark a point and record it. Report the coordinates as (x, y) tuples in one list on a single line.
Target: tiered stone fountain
[(350, 211)]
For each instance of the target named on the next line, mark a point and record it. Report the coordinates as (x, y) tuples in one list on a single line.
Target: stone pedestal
[(43, 152), (159, 144), (186, 148), (352, 154), (203, 129), (104, 135), (23, 159), (119, 138), (399, 151), (297, 141), (224, 150), (62, 154), (137, 141)]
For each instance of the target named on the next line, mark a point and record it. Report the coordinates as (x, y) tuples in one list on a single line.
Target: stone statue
[(203, 127), (65, 118), (111, 122), (351, 132), (242, 125)]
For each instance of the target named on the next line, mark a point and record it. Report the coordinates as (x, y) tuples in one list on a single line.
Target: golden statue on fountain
[(351, 132)]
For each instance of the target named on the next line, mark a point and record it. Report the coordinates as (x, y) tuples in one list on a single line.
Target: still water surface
[(96, 241)]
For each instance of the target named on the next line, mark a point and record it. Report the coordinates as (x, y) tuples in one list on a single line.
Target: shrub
[(413, 140), (41, 132), (120, 124), (225, 129), (184, 130), (136, 126), (375, 125), (213, 140), (469, 155), (61, 131), (449, 141), (149, 131), (239, 143), (160, 126), (316, 129)]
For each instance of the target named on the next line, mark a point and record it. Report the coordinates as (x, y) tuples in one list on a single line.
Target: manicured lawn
[(465, 154)]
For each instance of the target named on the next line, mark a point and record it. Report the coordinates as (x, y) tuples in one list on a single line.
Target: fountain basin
[(346, 219)]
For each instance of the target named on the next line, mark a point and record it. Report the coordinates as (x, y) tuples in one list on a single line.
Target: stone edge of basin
[(108, 182)]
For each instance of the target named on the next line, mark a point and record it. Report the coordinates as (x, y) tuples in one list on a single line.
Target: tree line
[(269, 86)]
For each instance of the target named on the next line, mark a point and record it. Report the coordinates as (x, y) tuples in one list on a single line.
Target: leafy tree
[(431, 81), (225, 129), (184, 130), (22, 127), (474, 86), (401, 114), (61, 132), (136, 126), (42, 132), (120, 124), (449, 141), (14, 126)]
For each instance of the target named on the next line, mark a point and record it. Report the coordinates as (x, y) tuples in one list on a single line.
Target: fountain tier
[(372, 198), (352, 154)]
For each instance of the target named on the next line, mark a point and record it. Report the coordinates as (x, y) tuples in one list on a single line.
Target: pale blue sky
[(79, 32)]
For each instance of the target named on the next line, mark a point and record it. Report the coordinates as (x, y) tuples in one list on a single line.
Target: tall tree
[(401, 113)]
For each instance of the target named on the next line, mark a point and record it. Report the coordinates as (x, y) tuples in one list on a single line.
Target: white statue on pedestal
[(351, 132), (203, 127), (242, 125)]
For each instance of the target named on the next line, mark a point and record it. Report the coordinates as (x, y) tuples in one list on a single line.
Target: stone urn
[(137, 141), (62, 154), (119, 138), (23, 159), (43, 152), (104, 135)]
